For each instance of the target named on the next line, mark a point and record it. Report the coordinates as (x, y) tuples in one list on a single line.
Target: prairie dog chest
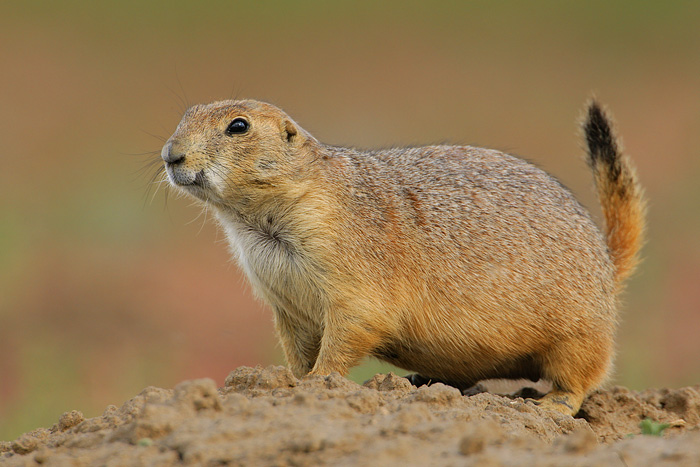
[(279, 268)]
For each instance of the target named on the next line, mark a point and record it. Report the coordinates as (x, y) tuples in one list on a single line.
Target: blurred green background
[(107, 287)]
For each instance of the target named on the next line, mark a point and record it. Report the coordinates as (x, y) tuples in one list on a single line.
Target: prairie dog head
[(232, 153)]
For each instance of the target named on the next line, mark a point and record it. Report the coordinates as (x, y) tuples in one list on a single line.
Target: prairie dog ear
[(289, 130)]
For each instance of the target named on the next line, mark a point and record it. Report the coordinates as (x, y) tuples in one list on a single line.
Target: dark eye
[(237, 126)]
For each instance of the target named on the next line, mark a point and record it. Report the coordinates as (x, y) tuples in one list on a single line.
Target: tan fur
[(459, 263)]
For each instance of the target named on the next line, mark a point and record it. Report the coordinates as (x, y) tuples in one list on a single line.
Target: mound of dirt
[(268, 417)]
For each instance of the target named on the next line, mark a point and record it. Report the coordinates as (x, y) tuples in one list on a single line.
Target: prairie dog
[(456, 262)]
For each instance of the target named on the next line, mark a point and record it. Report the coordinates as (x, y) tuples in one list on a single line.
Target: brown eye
[(237, 126)]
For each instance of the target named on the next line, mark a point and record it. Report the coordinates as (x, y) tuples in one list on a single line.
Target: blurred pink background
[(106, 287)]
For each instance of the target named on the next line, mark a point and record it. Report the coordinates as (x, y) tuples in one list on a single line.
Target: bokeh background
[(107, 285)]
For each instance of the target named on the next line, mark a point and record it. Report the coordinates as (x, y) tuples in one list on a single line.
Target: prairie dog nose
[(171, 155)]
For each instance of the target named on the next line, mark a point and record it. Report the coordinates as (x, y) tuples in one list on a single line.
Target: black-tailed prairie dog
[(458, 263)]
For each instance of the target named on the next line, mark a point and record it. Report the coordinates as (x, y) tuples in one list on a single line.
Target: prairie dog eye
[(237, 126)]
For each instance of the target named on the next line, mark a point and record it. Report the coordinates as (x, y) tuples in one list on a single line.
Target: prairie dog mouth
[(183, 178)]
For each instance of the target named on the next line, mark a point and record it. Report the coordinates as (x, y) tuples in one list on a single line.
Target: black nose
[(171, 156)]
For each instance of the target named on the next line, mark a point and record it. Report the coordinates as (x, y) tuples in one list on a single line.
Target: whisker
[(185, 101), (155, 181), (197, 217), (206, 212), (152, 135)]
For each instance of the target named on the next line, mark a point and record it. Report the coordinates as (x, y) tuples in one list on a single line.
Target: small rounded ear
[(289, 131)]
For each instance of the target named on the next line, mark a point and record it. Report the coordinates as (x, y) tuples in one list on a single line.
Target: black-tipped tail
[(601, 141), (619, 192)]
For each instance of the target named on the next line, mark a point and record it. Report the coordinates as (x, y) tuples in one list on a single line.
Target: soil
[(268, 417)]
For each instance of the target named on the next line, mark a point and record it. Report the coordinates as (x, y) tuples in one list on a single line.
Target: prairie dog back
[(456, 262)]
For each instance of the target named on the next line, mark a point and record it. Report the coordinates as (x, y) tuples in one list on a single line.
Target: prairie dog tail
[(619, 192)]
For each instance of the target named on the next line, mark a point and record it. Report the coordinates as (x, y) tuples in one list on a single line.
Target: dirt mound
[(268, 417)]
